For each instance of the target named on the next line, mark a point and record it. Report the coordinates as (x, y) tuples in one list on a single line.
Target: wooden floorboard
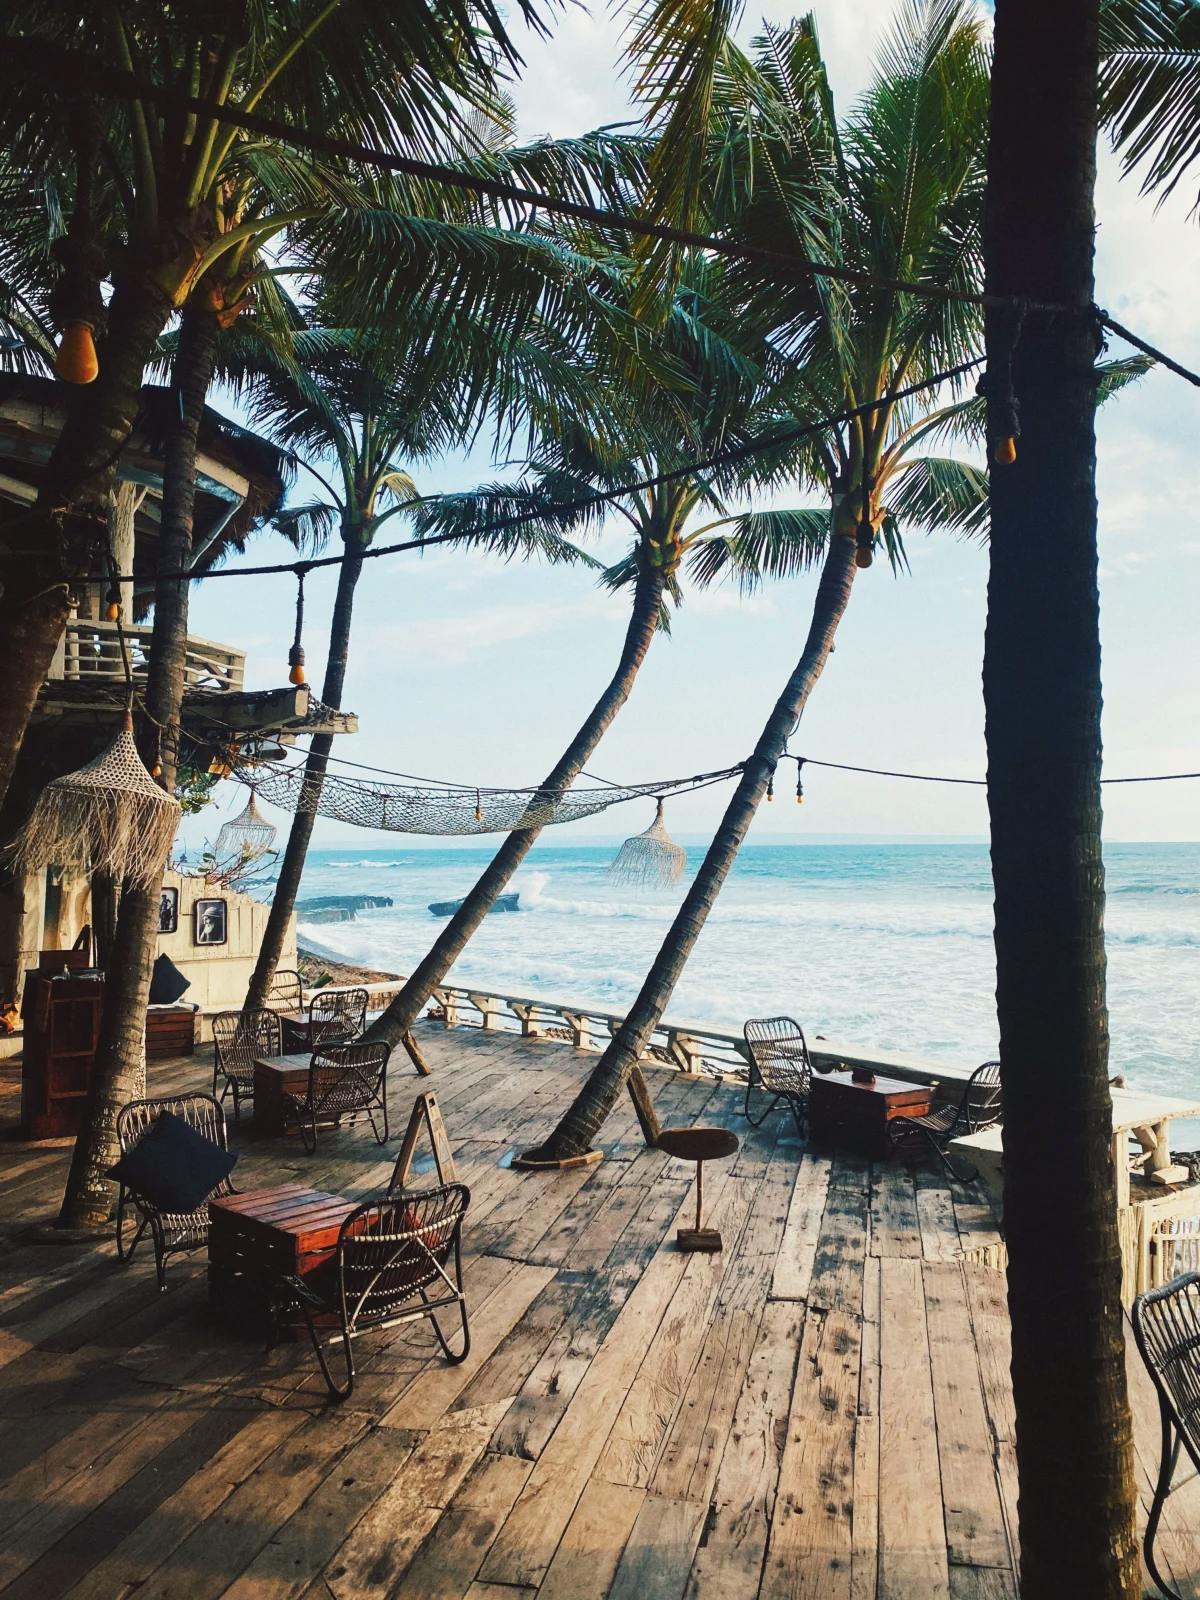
[(823, 1409)]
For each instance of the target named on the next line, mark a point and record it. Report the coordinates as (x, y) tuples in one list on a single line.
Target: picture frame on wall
[(211, 922), (168, 909)]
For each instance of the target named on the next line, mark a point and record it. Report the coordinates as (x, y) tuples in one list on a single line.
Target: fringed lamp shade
[(110, 816), (244, 838), (651, 858)]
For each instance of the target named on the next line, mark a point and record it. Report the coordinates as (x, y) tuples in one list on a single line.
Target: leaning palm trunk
[(599, 1095), (450, 943), (291, 870), (120, 1070), (62, 537), (1042, 701)]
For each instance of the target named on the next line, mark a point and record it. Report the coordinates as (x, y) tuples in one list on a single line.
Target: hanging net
[(651, 858), (244, 838), (423, 807), (110, 816)]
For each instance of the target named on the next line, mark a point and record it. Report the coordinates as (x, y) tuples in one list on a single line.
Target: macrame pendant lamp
[(651, 858), (109, 816), (244, 838)]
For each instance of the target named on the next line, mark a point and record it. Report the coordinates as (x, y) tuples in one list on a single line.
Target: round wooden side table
[(698, 1145)]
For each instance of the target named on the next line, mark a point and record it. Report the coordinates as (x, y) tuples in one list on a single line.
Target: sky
[(463, 667)]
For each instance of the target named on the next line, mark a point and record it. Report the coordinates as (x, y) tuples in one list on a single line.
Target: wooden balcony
[(90, 651), (823, 1409)]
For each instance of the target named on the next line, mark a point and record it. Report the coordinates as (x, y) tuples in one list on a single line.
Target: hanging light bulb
[(112, 603), (799, 781), (76, 360), (478, 808), (1005, 452), (296, 664), (771, 786)]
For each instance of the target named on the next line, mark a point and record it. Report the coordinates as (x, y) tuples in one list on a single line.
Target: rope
[(980, 783), (719, 458)]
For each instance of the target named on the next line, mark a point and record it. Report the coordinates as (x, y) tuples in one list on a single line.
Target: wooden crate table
[(274, 1077), (256, 1237), (844, 1115), (297, 1028)]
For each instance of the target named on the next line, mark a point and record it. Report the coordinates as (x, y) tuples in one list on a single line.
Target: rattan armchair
[(390, 1253), (1166, 1325), (336, 1016), (780, 1068), (239, 1039), (344, 1080), (172, 1232), (286, 991), (978, 1107)]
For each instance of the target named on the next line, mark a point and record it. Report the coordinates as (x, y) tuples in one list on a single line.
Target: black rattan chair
[(390, 1252), (343, 1081), (239, 1038), (172, 1232), (780, 1068), (1166, 1325), (336, 1016), (978, 1107)]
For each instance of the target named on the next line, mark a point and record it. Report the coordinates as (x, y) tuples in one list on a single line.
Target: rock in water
[(447, 908), (339, 907)]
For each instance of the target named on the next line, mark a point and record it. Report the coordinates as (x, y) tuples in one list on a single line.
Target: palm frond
[(761, 545), (939, 493), (1150, 87)]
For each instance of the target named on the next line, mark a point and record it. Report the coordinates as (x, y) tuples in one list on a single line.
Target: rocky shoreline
[(314, 967)]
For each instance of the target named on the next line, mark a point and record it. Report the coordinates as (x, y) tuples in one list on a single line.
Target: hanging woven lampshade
[(651, 858), (244, 838), (110, 816)]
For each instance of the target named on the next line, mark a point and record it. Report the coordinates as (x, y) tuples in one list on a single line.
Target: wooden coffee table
[(265, 1234), (698, 1145), (275, 1076), (845, 1115)]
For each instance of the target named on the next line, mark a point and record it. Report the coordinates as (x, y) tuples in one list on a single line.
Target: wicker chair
[(286, 992), (343, 1080), (172, 1232), (979, 1106), (336, 1016), (780, 1067), (1166, 1325), (389, 1253), (239, 1038)]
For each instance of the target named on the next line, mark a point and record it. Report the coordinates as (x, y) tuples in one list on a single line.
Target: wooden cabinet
[(62, 1028)]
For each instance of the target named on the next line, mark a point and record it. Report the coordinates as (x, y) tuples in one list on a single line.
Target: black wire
[(980, 783), (719, 458)]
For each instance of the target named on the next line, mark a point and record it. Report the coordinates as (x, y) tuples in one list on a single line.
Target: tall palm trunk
[(62, 537), (599, 1095), (292, 867), (450, 943), (119, 1074), (1042, 699)]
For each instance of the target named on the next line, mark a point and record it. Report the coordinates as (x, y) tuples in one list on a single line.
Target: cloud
[(465, 636)]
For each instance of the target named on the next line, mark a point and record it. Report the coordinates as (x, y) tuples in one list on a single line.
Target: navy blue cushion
[(173, 1167), (167, 983)]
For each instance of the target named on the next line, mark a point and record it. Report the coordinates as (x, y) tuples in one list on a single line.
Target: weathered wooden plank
[(895, 1229), (376, 1555), (837, 1268), (659, 1551), (729, 1561), (912, 1536), (864, 1532), (935, 1213), (691, 1449), (592, 1543), (809, 1555), (975, 1530), (445, 1566)]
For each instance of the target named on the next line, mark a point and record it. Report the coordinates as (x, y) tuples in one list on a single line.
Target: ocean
[(884, 946)]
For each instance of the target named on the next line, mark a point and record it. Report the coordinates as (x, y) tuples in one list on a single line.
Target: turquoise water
[(887, 946)]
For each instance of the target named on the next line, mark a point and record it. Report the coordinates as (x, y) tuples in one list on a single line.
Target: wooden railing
[(91, 650)]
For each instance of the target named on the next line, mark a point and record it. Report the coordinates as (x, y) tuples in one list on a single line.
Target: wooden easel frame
[(427, 1113)]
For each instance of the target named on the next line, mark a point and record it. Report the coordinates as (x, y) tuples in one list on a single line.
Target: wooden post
[(639, 1093), (414, 1055), (425, 1111)]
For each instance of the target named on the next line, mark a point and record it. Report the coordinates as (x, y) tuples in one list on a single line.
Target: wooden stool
[(698, 1145)]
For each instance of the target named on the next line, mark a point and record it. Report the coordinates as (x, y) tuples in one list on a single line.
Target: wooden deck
[(822, 1410)]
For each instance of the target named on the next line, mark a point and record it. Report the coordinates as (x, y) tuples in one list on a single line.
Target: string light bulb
[(771, 786), (478, 808), (112, 604), (799, 782), (76, 360), (296, 664), (1005, 452)]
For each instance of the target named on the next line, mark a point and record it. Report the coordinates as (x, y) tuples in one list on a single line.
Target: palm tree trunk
[(291, 869), (1042, 701), (63, 535), (450, 943), (599, 1095), (119, 1074)]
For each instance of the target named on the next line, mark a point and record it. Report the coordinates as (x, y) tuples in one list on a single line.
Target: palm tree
[(158, 198), (1041, 684), (897, 192), (689, 391)]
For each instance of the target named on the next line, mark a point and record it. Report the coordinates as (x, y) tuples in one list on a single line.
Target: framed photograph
[(168, 910), (212, 925)]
